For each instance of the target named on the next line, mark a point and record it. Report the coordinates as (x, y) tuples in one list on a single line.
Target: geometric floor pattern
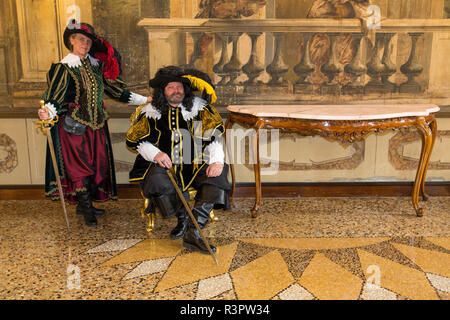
[(296, 268), (296, 249)]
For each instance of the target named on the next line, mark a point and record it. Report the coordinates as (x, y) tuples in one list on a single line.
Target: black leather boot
[(84, 208), (93, 189), (192, 239), (167, 204), (182, 225), (202, 213), (183, 219), (96, 211), (208, 197)]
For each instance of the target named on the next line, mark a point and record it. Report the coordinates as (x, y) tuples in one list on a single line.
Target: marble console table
[(344, 123)]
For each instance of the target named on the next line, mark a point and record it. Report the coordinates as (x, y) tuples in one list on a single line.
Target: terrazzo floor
[(297, 248)]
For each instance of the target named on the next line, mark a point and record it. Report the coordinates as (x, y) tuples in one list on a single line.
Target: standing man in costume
[(182, 132), (81, 138)]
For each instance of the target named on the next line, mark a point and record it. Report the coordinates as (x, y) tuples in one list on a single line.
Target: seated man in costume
[(181, 132)]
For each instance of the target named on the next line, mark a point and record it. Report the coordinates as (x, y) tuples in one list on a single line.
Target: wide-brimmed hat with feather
[(195, 79), (100, 49)]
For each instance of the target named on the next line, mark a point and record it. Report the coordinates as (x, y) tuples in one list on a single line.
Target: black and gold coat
[(76, 88), (192, 139)]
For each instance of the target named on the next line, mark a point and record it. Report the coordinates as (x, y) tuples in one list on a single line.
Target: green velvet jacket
[(76, 87)]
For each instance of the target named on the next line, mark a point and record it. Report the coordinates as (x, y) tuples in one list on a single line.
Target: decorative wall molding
[(402, 162), (8, 146)]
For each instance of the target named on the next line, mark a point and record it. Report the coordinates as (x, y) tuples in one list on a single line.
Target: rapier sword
[(188, 209), (45, 126)]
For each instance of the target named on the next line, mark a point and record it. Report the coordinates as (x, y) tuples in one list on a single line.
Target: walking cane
[(188, 209), (45, 126)]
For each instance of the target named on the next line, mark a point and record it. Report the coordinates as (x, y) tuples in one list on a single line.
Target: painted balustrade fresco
[(256, 52)]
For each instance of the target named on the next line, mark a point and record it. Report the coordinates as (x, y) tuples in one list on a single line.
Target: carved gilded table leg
[(228, 125), (433, 126), (427, 142), (257, 169)]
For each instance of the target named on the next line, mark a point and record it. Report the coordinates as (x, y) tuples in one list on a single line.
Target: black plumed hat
[(166, 75), (191, 78), (100, 49), (85, 29)]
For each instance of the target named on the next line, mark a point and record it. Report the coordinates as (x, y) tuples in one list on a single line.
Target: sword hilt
[(46, 124)]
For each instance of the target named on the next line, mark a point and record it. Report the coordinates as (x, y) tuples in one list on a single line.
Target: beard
[(175, 98)]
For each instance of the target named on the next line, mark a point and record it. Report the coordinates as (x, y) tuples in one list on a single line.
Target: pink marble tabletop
[(337, 112)]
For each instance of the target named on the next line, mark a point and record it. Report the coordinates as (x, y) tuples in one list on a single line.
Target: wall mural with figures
[(276, 52)]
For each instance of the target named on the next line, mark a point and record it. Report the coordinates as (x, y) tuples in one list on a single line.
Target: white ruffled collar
[(74, 61), (151, 112), (198, 104)]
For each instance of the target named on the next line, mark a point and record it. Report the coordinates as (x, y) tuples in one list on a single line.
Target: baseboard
[(270, 190), (354, 189)]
